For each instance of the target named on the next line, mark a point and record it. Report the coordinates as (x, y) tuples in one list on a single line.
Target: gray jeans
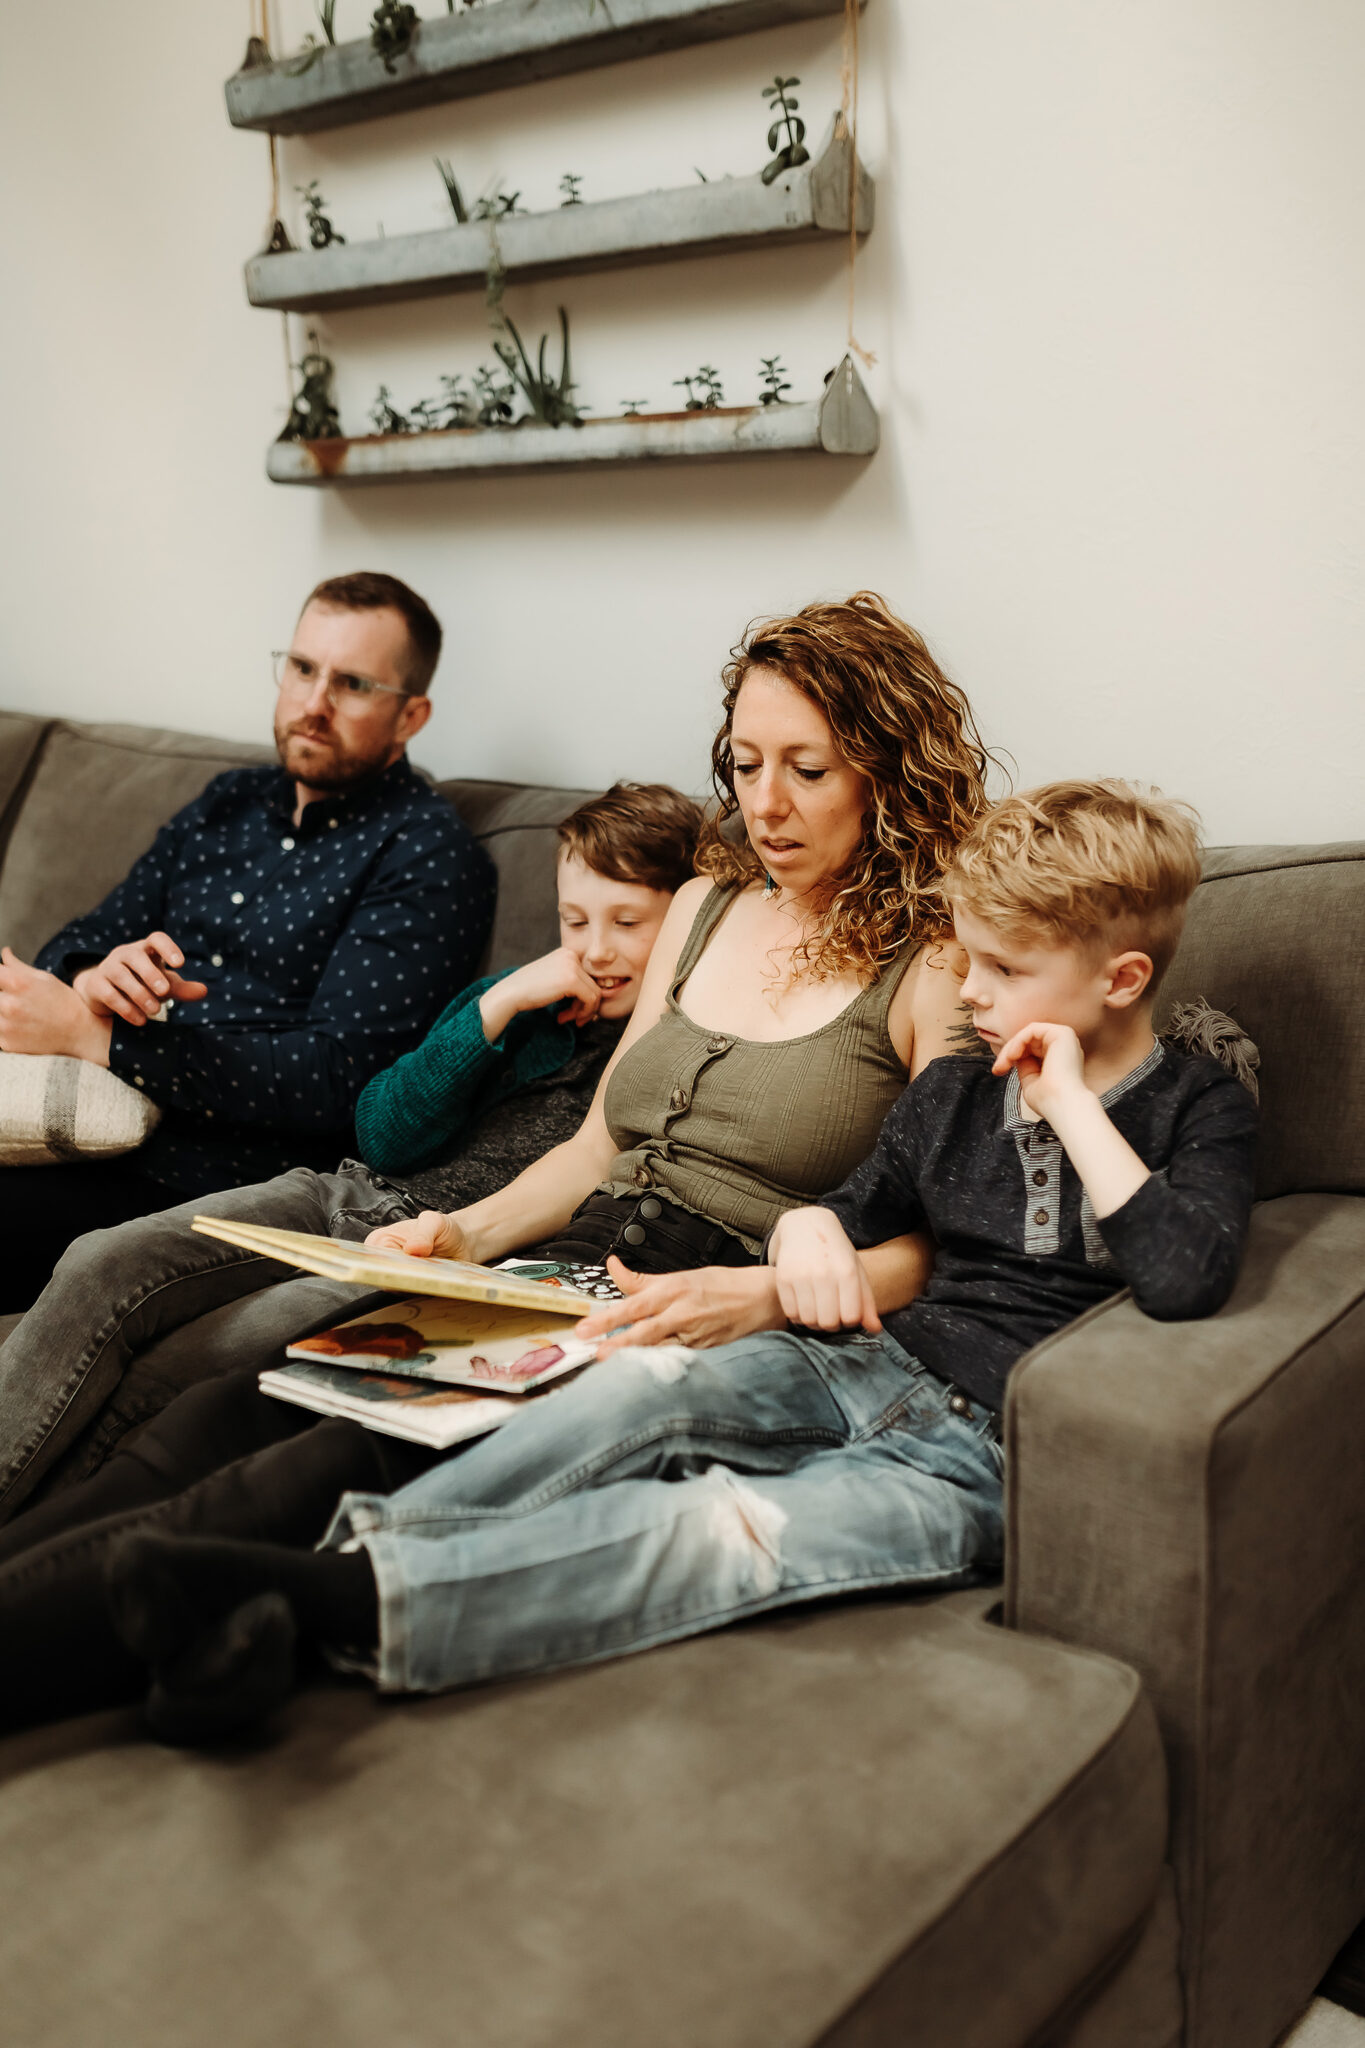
[(134, 1315)]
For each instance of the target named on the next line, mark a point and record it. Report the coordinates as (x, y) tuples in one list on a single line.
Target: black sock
[(166, 1590)]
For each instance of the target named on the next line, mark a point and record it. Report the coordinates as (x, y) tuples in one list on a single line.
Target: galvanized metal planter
[(506, 42), (843, 422), (803, 205)]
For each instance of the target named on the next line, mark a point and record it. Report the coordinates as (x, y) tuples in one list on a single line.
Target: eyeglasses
[(296, 676)]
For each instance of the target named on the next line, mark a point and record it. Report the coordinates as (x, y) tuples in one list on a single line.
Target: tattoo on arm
[(963, 1039)]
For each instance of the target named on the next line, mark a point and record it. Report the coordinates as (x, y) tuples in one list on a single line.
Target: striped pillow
[(54, 1109)]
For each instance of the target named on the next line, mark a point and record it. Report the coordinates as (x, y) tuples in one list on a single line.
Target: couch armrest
[(1190, 1497)]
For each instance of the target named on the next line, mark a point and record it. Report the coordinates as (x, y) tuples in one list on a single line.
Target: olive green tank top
[(737, 1130)]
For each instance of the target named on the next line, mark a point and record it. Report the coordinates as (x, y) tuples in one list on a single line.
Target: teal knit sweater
[(413, 1112)]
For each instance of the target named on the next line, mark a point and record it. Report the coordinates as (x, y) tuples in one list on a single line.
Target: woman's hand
[(821, 1282), (709, 1305), (431, 1235)]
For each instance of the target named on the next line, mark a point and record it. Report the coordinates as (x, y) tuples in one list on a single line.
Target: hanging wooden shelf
[(483, 49), (843, 422), (803, 205)]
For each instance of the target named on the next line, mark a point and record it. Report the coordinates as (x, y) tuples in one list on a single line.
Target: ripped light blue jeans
[(667, 1491)]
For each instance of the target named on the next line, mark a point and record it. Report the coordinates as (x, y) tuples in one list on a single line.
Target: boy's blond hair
[(1082, 863)]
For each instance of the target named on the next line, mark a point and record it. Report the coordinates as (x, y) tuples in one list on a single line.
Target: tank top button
[(651, 1209), (1040, 1217)]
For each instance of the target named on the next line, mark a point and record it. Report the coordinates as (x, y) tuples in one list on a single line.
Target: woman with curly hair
[(794, 987)]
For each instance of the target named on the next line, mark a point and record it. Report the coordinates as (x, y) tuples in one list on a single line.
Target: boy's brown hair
[(1082, 862), (643, 832)]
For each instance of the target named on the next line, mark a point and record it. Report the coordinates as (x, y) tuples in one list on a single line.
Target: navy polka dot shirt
[(328, 948)]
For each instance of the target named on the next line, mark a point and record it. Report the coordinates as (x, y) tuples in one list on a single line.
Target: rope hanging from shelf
[(849, 110), (274, 215)]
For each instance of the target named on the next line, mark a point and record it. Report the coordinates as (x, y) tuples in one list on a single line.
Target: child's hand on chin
[(1050, 1063)]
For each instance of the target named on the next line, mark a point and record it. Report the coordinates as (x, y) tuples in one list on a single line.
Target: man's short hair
[(643, 832), (369, 590), (1082, 863)]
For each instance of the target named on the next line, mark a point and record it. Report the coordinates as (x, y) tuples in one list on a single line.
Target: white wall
[(1114, 292)]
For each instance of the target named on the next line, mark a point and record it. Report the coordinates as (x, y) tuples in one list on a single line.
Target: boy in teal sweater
[(540, 1033)]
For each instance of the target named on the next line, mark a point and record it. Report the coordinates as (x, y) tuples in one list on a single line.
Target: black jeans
[(43, 1209), (224, 1461)]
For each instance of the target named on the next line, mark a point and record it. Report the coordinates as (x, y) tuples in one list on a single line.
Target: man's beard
[(333, 767)]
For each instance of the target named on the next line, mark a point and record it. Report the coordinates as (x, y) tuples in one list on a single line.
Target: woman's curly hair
[(908, 732)]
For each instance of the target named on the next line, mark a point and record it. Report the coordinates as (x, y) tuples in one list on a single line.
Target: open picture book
[(448, 1363)]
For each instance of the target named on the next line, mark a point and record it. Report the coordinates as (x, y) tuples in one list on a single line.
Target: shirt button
[(138, 1081), (717, 1044), (650, 1209), (332, 823), (237, 896), (288, 845), (217, 960), (1040, 1177), (641, 1176), (678, 1099), (1040, 1215), (634, 1233)]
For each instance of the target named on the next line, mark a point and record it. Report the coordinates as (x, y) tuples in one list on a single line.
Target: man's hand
[(709, 1305), (135, 979), (39, 1013), (557, 977), (1051, 1067), (431, 1235), (821, 1282)]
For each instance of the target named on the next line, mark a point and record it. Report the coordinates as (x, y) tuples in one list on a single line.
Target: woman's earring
[(769, 886)]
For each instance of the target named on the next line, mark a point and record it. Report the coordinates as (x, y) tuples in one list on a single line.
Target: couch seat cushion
[(882, 1821)]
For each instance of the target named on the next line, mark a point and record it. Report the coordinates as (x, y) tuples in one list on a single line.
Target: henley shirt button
[(237, 896), (634, 1233), (641, 1176), (217, 960), (288, 845), (650, 1209), (678, 1099), (1040, 1177), (717, 1044), (1040, 1216)]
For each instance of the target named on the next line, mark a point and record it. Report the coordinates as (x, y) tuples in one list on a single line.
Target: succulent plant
[(772, 384), (794, 152), (393, 25), (321, 233), (313, 415)]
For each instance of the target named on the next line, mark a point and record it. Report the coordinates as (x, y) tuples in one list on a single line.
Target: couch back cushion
[(516, 822), (95, 801), (20, 735), (96, 795), (1274, 937)]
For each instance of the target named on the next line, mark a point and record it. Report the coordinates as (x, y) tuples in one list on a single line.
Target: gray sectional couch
[(1122, 1810)]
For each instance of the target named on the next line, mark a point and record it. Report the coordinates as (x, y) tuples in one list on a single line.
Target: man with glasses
[(324, 912)]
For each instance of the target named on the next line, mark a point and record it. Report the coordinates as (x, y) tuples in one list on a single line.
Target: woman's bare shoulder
[(928, 1017)]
